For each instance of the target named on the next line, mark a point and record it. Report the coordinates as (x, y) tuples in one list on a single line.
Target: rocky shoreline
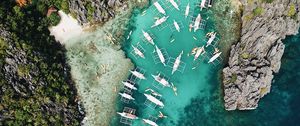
[(257, 56)]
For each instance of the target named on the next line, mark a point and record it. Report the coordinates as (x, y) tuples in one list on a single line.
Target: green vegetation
[(90, 10), (267, 1), (292, 11), (245, 55), (51, 101), (258, 11)]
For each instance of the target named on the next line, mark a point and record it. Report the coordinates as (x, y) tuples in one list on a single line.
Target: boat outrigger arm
[(176, 26), (127, 115), (148, 37), (197, 23), (161, 80), (160, 55), (151, 123), (154, 100), (177, 63), (199, 52), (159, 8), (138, 52), (160, 21), (174, 4), (211, 39), (212, 59), (127, 96), (187, 10), (138, 74), (129, 85)]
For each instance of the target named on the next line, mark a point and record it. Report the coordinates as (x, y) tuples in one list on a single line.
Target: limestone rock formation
[(257, 56)]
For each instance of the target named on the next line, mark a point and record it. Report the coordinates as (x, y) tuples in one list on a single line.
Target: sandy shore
[(67, 28)]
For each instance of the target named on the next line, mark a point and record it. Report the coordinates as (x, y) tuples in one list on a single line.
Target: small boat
[(161, 80), (197, 23), (148, 37), (160, 55), (190, 27), (194, 38), (172, 40), (138, 52), (129, 35), (212, 59), (127, 115), (151, 123), (211, 39), (154, 100), (177, 63), (176, 26), (129, 85), (174, 4), (159, 8), (138, 74), (187, 10), (127, 96), (160, 21), (199, 52), (202, 5)]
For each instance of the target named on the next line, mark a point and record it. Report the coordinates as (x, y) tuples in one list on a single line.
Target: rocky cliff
[(257, 56)]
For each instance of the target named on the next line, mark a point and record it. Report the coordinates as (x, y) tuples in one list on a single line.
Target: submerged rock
[(257, 56)]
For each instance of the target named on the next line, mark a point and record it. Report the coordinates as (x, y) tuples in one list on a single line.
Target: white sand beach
[(67, 28)]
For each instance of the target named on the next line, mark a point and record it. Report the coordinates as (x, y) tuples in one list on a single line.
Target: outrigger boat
[(187, 10), (202, 5), (154, 100), (199, 52), (211, 39), (151, 123), (138, 74), (161, 80), (176, 26), (127, 115), (127, 96), (159, 8), (129, 85), (197, 23), (160, 55), (138, 52), (212, 59), (174, 4), (177, 63), (148, 37), (160, 21), (129, 35)]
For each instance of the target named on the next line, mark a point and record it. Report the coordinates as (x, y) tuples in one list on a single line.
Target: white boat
[(129, 35), (211, 39), (159, 8), (151, 123), (202, 5), (127, 115), (127, 96), (199, 52), (148, 37), (154, 100), (138, 74), (160, 21), (187, 10), (160, 55), (176, 26), (177, 62), (161, 80), (129, 85), (197, 23), (212, 59), (138, 52), (174, 4)]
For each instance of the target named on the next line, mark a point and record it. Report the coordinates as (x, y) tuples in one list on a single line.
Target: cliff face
[(257, 56)]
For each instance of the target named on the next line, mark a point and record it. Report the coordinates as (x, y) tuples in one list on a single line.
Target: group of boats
[(153, 96)]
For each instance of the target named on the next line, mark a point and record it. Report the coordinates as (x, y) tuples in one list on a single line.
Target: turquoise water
[(200, 99)]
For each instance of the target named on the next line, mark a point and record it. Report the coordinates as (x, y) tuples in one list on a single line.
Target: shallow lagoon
[(200, 98)]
